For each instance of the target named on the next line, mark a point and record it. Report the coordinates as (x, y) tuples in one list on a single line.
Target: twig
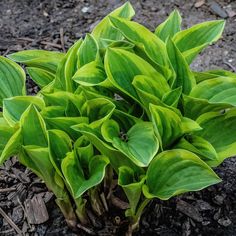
[(41, 42), (230, 65), (6, 232), (62, 39), (51, 44), (26, 39), (119, 203), (6, 52), (87, 230), (6, 190), (104, 201), (10, 222)]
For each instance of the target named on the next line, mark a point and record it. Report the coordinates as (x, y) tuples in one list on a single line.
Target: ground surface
[(26, 24)]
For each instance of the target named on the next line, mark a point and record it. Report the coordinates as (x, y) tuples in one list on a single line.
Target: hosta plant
[(121, 108)]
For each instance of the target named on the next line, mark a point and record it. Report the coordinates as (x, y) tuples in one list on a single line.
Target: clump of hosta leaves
[(122, 103)]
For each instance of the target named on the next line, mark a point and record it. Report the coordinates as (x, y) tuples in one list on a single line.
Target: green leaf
[(125, 119), (53, 111), (65, 123), (59, 145), (88, 51), (172, 97), (147, 90), (139, 144), (33, 128), (219, 129), (37, 159), (84, 150), (123, 44), (117, 159), (12, 79), (199, 35), (200, 147), (177, 171), (169, 27), (211, 74), (122, 66), (78, 181), (71, 110), (43, 59), (223, 73), (131, 186), (62, 98), (216, 90), (40, 76), (184, 76), (12, 147), (67, 68), (190, 54), (194, 107), (6, 132), (99, 110), (14, 107), (169, 125), (201, 76), (109, 130), (104, 28), (156, 86), (142, 38), (90, 74)]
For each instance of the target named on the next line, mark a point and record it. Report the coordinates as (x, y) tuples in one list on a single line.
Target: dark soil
[(27, 24)]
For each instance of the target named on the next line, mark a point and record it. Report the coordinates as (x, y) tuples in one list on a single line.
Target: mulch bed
[(55, 25)]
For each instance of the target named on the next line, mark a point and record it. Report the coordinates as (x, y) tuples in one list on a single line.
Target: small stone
[(218, 10), (225, 221), (205, 223), (199, 3), (153, 8), (85, 9), (219, 199), (231, 13), (45, 14)]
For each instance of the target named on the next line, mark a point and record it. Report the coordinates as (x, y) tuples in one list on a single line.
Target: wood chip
[(10, 222), (189, 210), (199, 3), (6, 190), (19, 193), (21, 176), (36, 211)]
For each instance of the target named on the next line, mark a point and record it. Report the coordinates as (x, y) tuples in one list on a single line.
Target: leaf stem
[(81, 211), (67, 210), (134, 225)]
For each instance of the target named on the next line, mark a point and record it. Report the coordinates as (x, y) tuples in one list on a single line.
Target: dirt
[(27, 24)]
